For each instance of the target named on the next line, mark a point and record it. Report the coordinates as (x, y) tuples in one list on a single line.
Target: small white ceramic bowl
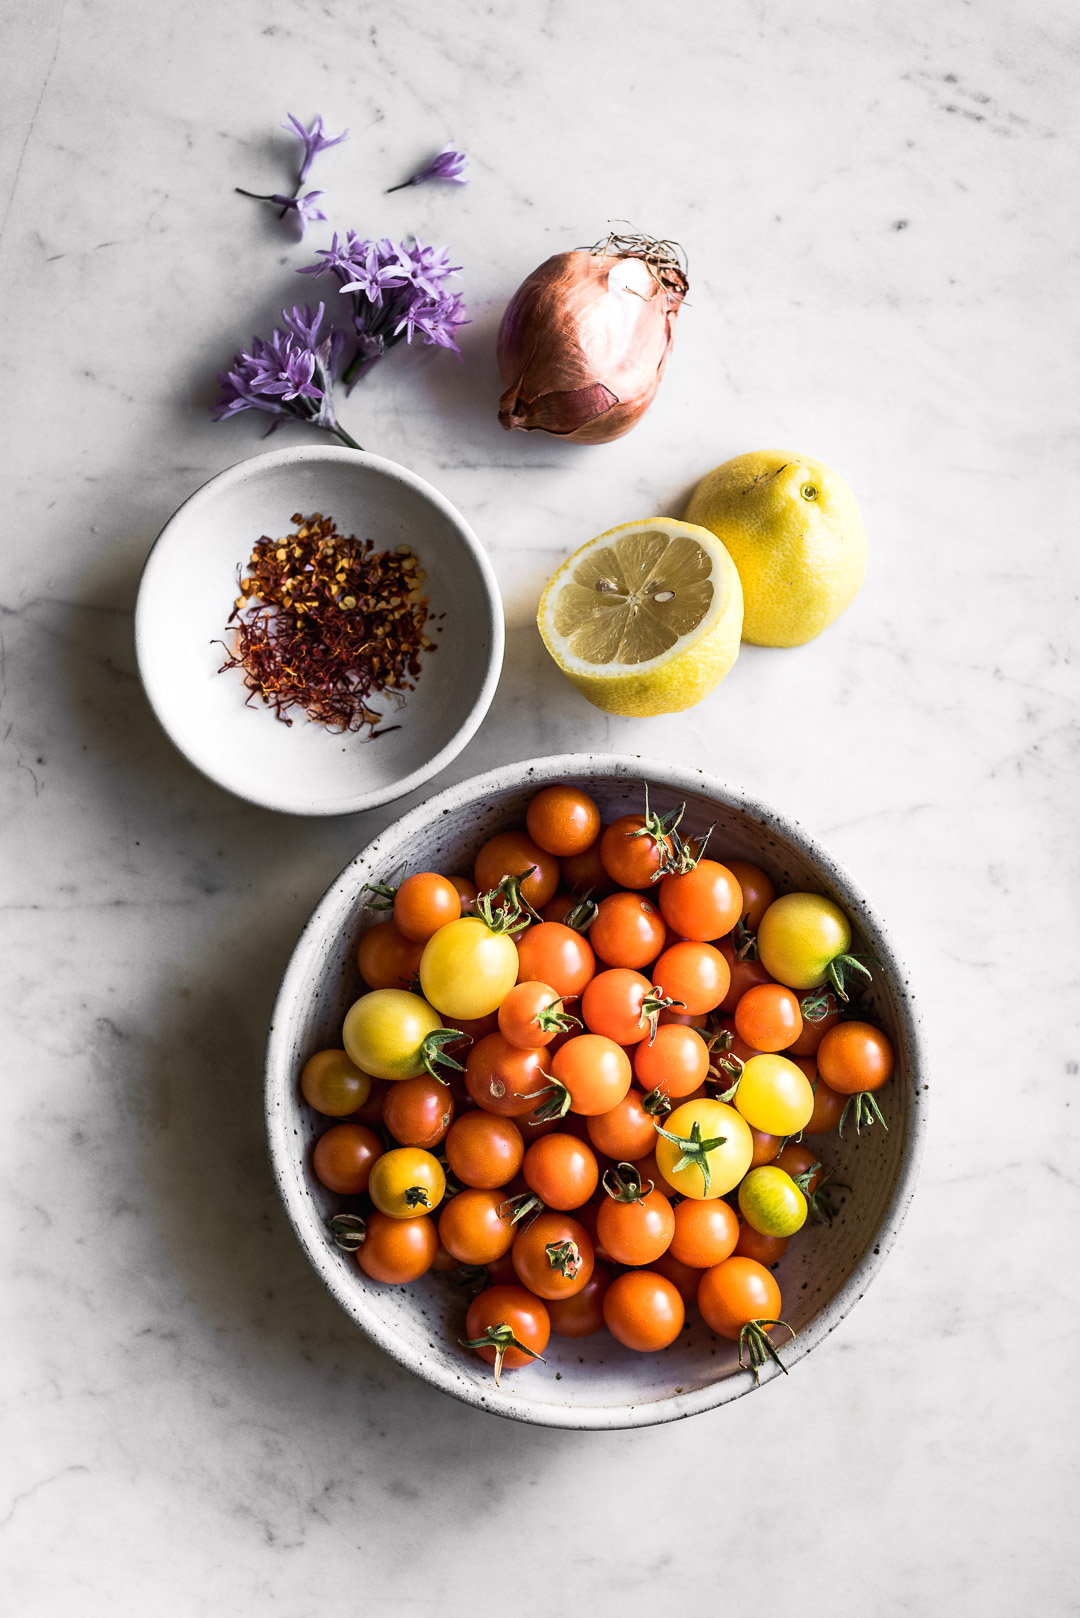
[(592, 1382), (188, 589)]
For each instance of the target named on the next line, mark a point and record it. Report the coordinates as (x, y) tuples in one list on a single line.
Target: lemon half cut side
[(645, 619)]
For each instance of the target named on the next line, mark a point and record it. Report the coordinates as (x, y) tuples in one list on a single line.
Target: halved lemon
[(645, 619)]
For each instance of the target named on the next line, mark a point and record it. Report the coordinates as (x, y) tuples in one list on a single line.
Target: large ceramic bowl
[(188, 589), (592, 1382)]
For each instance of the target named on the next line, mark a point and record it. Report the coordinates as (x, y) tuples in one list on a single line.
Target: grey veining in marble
[(879, 210)]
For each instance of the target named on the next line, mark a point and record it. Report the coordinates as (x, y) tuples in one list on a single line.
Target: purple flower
[(288, 374), (314, 142), (447, 165), (304, 207)]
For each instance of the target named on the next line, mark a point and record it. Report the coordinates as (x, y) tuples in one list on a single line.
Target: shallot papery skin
[(583, 344)]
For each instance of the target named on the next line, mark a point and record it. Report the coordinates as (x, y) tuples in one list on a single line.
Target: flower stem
[(393, 188), (346, 438)]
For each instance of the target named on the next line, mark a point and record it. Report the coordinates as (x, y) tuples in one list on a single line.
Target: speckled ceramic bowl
[(591, 1382)]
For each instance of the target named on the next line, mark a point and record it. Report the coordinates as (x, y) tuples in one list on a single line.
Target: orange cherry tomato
[(814, 1032), (631, 855), (503, 1078), (796, 1160), (423, 903), (595, 1071), (562, 1170), (585, 873), (344, 1157), (744, 975), (699, 1019), (520, 1314), (582, 1314), (676, 1062), (398, 1250), (334, 1085), (477, 1226), (513, 853), (443, 1262), (855, 1056), (766, 1148), (634, 1231), (736, 1292), (613, 1005), (705, 1233), (628, 930), (767, 1250), (559, 908), (556, 955), (758, 892), (768, 1017), (418, 1112), (525, 1016), (643, 1310), (563, 820), (648, 1169), (386, 958), (484, 1150), (702, 903), (828, 1110), (624, 1133), (553, 1256), (683, 1277), (695, 973)]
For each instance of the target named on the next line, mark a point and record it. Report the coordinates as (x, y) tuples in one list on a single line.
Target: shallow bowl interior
[(593, 1382), (188, 590)]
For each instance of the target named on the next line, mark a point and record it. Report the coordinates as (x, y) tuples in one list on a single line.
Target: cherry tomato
[(501, 1271), (675, 1014), (800, 936), (744, 975), (502, 1313), (563, 820), (585, 873), (484, 1150), (616, 1003), (702, 903), (503, 1078), (712, 1170), (624, 1133), (559, 908), (406, 1182), (635, 1226), (386, 1033), (643, 1310), (443, 1262), (676, 1062), (631, 855), (418, 1112), (774, 1095), (562, 1170), (595, 1071), (648, 1172), (467, 892), (814, 1032), (477, 1226), (398, 1250), (423, 903), (468, 968), (766, 1148), (828, 1110), (683, 1277), (734, 1293), (513, 853), (582, 1314), (532, 1015), (553, 1255), (556, 955), (770, 1200), (705, 1233), (333, 1085), (758, 892), (768, 1017), (767, 1250), (693, 973), (628, 930), (855, 1056), (344, 1156), (386, 958)]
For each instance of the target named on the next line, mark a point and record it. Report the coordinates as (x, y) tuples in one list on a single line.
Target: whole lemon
[(794, 531)]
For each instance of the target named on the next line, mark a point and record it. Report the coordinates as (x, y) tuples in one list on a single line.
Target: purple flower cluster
[(397, 291), (289, 375)]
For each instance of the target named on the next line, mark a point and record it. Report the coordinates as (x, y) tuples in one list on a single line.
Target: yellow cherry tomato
[(333, 1085), (799, 935), (409, 1182), (467, 969), (771, 1202), (387, 1033), (774, 1095), (708, 1170)]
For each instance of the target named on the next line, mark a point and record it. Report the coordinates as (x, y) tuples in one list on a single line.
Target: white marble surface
[(878, 205)]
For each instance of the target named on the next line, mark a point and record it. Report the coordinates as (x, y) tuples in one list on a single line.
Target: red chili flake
[(324, 622)]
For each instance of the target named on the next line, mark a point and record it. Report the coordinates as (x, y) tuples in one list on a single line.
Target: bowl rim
[(279, 1080), (254, 466)]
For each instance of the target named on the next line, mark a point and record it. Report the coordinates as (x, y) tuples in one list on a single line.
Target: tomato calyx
[(557, 1104), (653, 1004), (727, 1066), (688, 851), (504, 908), (743, 941), (695, 1150), (755, 1345), (526, 1205), (866, 1113), (656, 1103), (624, 1184), (433, 1050), (803, 1180), (662, 830), (385, 892), (584, 913), (472, 1277), (555, 1019), (416, 1196), (841, 968), (822, 1208), (349, 1231), (564, 1257), (816, 1005), (499, 1337)]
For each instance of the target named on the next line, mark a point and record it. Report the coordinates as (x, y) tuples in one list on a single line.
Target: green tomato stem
[(754, 1343), (867, 1113), (695, 1150)]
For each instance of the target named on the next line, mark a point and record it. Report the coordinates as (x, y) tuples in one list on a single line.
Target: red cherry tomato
[(828, 1110), (766, 1148), (513, 853), (705, 1232), (503, 1078), (631, 855), (683, 1277), (855, 1056), (595, 1071), (624, 1133), (676, 1062), (758, 892), (585, 873), (466, 893), (628, 930), (702, 903), (695, 973), (559, 908), (553, 1256), (647, 1170), (767, 1250), (344, 1157), (556, 955), (423, 903), (736, 1292), (386, 958), (477, 1226), (418, 1112), (519, 1314), (768, 1017), (484, 1150), (643, 1310), (582, 1314), (613, 1005), (525, 1016), (562, 1170), (397, 1250), (563, 820), (744, 975)]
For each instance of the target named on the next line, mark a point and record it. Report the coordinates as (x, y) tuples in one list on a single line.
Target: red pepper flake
[(324, 622)]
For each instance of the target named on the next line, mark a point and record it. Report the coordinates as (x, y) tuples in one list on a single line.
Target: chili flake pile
[(324, 622)]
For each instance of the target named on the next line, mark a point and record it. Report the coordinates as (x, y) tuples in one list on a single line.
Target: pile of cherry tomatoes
[(581, 1080)]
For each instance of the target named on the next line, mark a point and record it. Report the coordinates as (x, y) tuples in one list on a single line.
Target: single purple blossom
[(447, 165), (304, 207), (290, 374), (314, 141)]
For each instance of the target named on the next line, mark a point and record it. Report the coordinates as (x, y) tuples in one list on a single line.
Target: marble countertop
[(878, 210)]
